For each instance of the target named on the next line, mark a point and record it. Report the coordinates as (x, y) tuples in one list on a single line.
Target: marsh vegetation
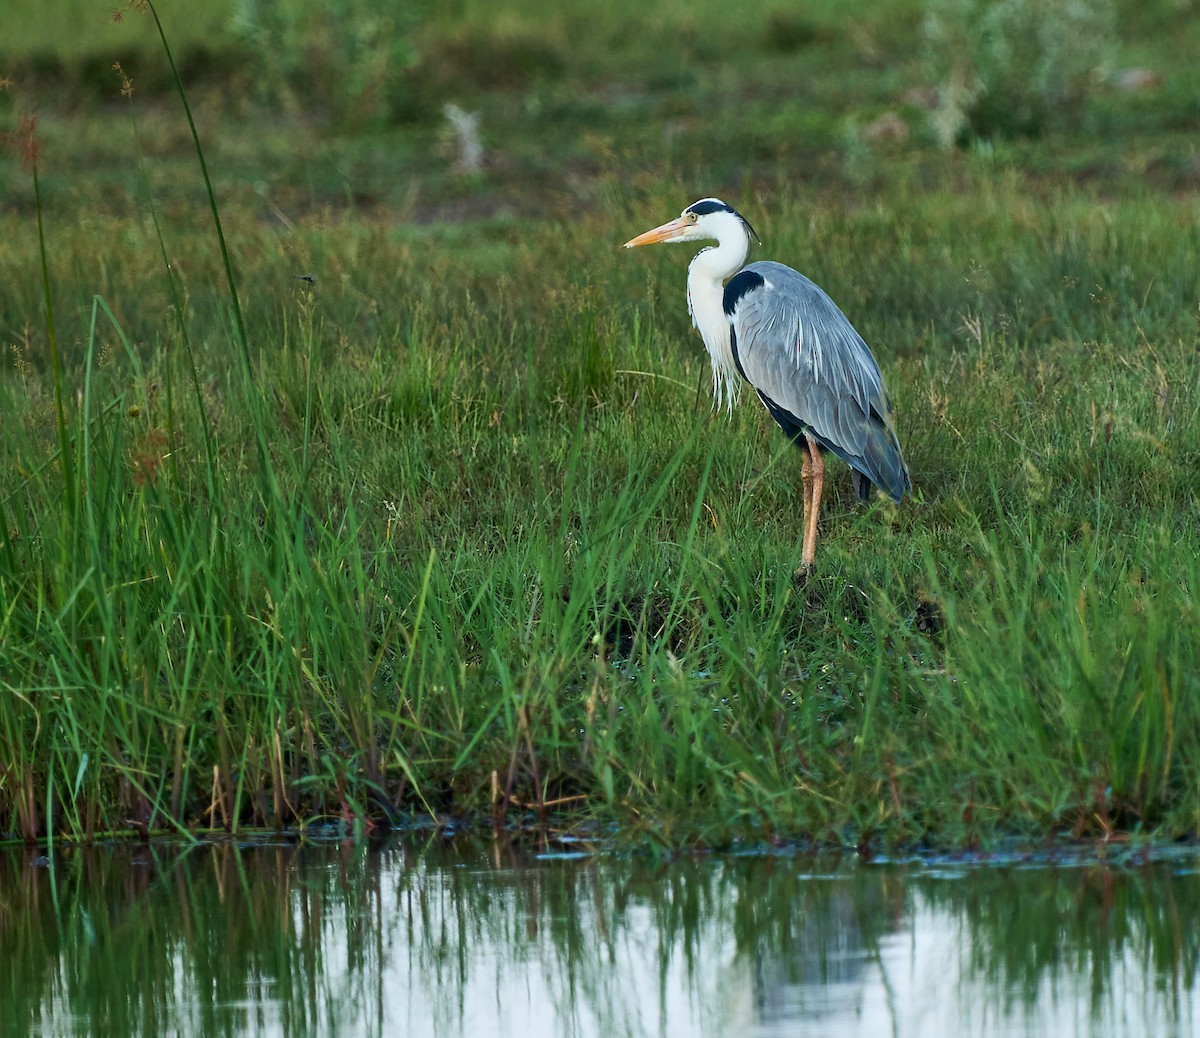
[(429, 512)]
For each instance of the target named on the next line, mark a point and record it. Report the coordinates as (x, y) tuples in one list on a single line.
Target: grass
[(458, 533)]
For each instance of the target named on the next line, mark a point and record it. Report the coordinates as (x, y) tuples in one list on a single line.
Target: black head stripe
[(715, 205), (709, 205)]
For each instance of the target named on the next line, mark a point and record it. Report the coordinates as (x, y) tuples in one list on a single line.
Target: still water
[(441, 936)]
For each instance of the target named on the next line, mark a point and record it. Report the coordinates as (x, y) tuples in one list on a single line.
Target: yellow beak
[(665, 232)]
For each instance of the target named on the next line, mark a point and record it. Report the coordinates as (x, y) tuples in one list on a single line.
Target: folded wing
[(814, 372)]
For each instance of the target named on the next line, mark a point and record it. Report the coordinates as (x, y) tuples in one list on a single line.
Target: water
[(439, 937)]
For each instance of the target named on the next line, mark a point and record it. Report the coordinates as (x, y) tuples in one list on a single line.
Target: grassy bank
[(453, 529)]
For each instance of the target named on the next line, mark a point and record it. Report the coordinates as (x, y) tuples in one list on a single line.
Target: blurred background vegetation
[(345, 104), (468, 123)]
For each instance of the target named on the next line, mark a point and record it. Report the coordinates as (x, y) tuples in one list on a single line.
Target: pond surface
[(442, 936)]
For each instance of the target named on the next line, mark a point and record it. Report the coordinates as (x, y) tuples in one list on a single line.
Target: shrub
[(1003, 66), (336, 58)]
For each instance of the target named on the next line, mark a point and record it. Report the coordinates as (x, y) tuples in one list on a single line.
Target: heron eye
[(691, 217)]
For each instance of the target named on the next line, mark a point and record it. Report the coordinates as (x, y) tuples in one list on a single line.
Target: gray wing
[(813, 371)]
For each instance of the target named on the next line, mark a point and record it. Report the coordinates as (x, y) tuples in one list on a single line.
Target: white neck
[(706, 294)]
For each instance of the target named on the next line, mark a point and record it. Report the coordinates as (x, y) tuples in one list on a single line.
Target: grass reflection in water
[(458, 936)]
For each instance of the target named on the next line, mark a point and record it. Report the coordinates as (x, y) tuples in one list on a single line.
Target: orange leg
[(815, 465), (806, 482)]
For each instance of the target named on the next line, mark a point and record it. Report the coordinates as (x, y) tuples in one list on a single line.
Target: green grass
[(465, 536)]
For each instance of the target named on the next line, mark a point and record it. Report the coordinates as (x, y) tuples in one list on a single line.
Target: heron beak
[(670, 231)]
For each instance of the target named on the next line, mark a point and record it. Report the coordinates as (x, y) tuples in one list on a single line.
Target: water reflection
[(450, 937)]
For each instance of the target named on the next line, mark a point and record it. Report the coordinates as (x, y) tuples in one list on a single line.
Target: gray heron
[(768, 325)]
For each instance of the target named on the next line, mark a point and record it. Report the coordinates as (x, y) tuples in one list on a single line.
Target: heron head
[(707, 219)]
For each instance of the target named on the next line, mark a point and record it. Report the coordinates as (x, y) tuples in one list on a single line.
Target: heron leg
[(806, 481), (816, 485)]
